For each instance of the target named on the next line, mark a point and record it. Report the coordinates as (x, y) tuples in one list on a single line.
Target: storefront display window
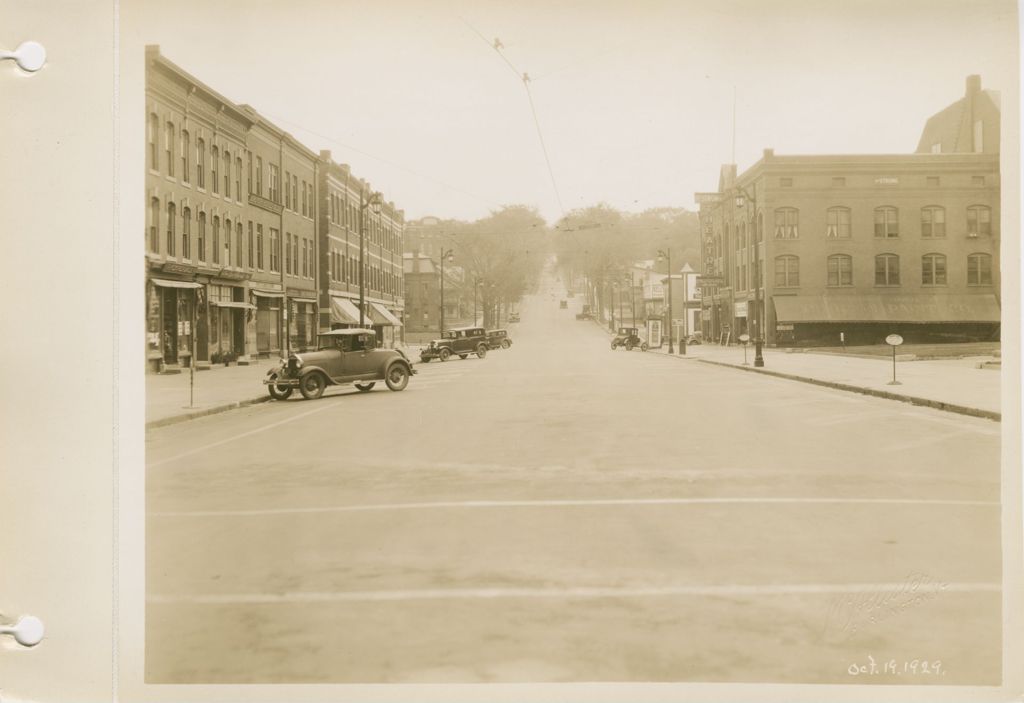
[(268, 314)]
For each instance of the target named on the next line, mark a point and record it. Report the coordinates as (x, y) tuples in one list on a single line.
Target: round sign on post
[(744, 338), (894, 340)]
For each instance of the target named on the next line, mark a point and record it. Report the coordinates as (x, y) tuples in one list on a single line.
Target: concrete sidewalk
[(956, 385), (218, 389)]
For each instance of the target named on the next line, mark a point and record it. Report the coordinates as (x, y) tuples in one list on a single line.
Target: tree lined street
[(561, 512)]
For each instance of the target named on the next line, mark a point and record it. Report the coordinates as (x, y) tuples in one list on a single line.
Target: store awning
[(267, 293), (303, 300), (382, 316), (164, 283), (231, 304), (886, 308), (343, 311)]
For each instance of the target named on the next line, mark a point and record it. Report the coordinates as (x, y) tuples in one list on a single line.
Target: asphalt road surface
[(561, 512)]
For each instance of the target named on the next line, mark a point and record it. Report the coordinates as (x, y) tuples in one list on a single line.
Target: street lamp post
[(444, 255), (374, 202), (476, 284), (667, 257), (741, 199)]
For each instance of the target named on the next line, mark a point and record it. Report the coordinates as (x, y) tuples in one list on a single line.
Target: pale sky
[(634, 98)]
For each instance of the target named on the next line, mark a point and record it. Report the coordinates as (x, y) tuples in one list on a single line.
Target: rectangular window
[(227, 174), (154, 137), (252, 246), (887, 223), (303, 197), (295, 192), (288, 254), (200, 163), (275, 250), (287, 191), (259, 247), (214, 160), (185, 152), (933, 222), (838, 226), (248, 163), (274, 193), (169, 147), (937, 148), (238, 178), (840, 271), (979, 270), (887, 270), (259, 176), (933, 270)]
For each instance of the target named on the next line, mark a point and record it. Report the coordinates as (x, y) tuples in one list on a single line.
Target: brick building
[(349, 206), (859, 245)]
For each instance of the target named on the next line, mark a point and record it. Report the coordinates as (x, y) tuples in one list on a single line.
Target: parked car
[(341, 357), (585, 314), (462, 341), (513, 317), (563, 304), (498, 339), (627, 337)]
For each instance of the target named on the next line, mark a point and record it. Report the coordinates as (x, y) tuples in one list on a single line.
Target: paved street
[(562, 512)]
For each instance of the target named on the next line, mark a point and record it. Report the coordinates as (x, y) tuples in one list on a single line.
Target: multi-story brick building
[(857, 245), (422, 294), (351, 215)]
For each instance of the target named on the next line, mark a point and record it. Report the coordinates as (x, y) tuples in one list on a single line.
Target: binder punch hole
[(30, 56), (28, 631)]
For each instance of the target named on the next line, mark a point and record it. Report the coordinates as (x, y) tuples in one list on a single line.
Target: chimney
[(973, 84)]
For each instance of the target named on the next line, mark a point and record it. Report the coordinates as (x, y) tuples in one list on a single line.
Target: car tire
[(364, 387), (463, 356), (281, 393), (312, 385), (444, 354), (481, 351), (613, 346), (643, 346), (505, 344), (397, 377)]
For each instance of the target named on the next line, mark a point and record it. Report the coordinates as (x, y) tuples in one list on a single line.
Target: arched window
[(837, 223), (933, 222), (200, 163), (186, 233), (216, 238), (201, 240), (171, 217), (154, 136), (169, 147), (887, 270), (979, 221), (214, 162), (979, 269), (227, 174), (787, 272), (185, 155), (887, 225), (840, 270), (227, 242), (154, 225), (787, 223), (760, 228), (933, 270)]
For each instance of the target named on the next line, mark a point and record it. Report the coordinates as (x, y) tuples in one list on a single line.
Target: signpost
[(894, 340), (745, 338)]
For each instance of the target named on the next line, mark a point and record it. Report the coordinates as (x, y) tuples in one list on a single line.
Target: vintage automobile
[(628, 338), (513, 317), (498, 339), (585, 314), (462, 341), (563, 304), (342, 356)]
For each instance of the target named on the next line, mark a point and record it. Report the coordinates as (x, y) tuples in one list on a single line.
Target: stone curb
[(175, 419), (913, 400)]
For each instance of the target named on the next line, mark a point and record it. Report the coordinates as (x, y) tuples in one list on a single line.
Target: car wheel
[(643, 346), (279, 392), (365, 386), (312, 385), (613, 346), (444, 354), (505, 344), (397, 377), (481, 351), (463, 356)]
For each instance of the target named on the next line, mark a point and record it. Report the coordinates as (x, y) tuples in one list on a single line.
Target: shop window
[(979, 221), (787, 272), (171, 217), (840, 270), (933, 222), (979, 270), (933, 270), (887, 223), (887, 270), (838, 223)]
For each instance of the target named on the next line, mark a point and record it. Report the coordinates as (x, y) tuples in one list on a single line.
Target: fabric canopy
[(267, 293), (382, 316), (174, 284), (343, 311), (886, 308)]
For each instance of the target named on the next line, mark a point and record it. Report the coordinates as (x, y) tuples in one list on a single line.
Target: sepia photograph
[(571, 342)]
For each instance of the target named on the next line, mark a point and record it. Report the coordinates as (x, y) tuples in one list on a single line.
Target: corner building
[(856, 247)]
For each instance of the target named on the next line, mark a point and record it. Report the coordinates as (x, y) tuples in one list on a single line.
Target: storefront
[(385, 324), (226, 318), (302, 327), (344, 313), (269, 307), (170, 317)]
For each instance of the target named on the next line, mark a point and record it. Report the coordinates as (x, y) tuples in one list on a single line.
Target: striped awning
[(382, 316), (886, 308)]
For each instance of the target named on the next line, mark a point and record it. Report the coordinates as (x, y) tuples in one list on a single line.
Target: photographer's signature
[(852, 612)]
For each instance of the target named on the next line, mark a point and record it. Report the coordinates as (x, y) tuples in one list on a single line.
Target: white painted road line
[(572, 592), (628, 502)]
